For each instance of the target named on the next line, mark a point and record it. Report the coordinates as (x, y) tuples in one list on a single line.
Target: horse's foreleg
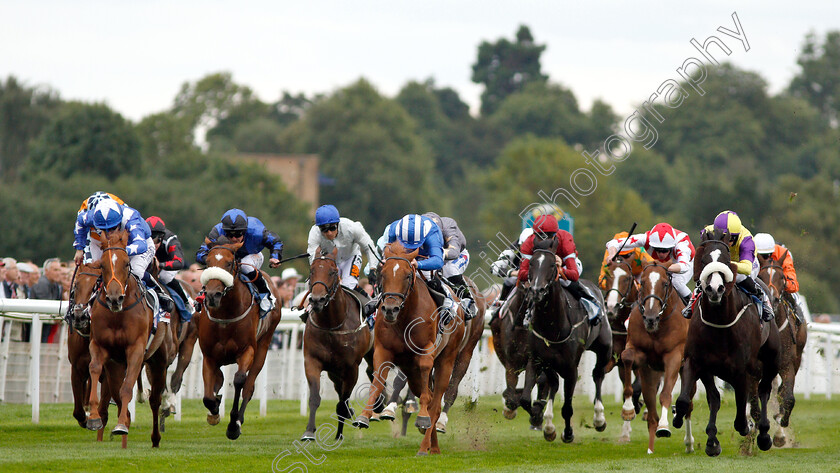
[(243, 364), (603, 355), (628, 410), (185, 351), (765, 386), (424, 372), (78, 381), (530, 380), (98, 358), (134, 364), (444, 368), (157, 369), (511, 402), (344, 389), (744, 390), (312, 369), (382, 365), (251, 381), (688, 385), (390, 411), (650, 383), (213, 379), (672, 362), (567, 411), (713, 399)]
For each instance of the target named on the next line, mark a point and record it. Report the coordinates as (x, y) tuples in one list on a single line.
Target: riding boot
[(179, 290), (464, 294), (593, 311), (370, 307), (442, 300), (267, 301), (759, 297), (689, 306), (793, 300), (361, 291), (164, 301)]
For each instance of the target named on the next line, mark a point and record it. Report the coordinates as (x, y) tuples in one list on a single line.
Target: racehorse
[(406, 335), (727, 340), (231, 331), (123, 332), (792, 335), (335, 340), (622, 291), (559, 335), (655, 345), (510, 342), (78, 341)]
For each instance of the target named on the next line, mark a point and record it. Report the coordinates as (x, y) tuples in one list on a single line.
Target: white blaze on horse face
[(612, 299), (113, 260), (219, 257), (715, 281), (396, 268), (653, 278), (539, 261)]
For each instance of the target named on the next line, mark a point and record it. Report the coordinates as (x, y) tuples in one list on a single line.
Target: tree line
[(771, 158)]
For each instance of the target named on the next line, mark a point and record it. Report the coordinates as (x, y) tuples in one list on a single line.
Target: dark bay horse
[(335, 340), (620, 294), (121, 339), (231, 331), (406, 335), (78, 341), (655, 344), (726, 339), (559, 335), (792, 335), (510, 342)]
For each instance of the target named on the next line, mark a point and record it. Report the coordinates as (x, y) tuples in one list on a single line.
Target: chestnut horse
[(406, 335), (619, 297), (78, 340), (792, 335), (655, 345), (335, 340), (559, 335), (121, 339), (230, 331), (726, 339), (510, 342)]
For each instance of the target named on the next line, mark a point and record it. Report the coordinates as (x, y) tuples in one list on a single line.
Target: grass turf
[(480, 439)]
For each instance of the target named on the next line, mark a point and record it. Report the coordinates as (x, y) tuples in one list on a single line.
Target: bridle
[(236, 265), (622, 303), (663, 302), (333, 287), (402, 296), (555, 272), (124, 285), (71, 309)]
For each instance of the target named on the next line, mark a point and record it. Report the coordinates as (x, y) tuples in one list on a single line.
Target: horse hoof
[(213, 419), (663, 433), (509, 414), (550, 434), (779, 441), (628, 415), (764, 442), (440, 428), (601, 428), (411, 407), (361, 422), (568, 439), (536, 427), (375, 417), (422, 454), (234, 430), (678, 422), (713, 450), (94, 424), (120, 429), (388, 413), (423, 422), (308, 436)]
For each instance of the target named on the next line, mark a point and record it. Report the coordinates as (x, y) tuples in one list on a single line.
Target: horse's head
[(773, 275), (81, 295), (654, 292), (323, 278), (222, 267), (713, 270), (116, 269), (620, 286), (396, 279), (543, 269)]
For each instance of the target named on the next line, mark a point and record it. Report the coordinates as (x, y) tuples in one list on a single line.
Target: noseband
[(402, 296)]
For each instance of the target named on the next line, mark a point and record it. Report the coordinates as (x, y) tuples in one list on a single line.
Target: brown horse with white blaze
[(406, 336), (655, 344), (231, 331), (122, 339)]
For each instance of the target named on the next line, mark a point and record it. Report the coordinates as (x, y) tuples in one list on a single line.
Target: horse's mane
[(546, 244), (117, 238), (396, 248)]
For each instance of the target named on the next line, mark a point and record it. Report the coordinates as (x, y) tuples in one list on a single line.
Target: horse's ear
[(412, 255), (237, 246), (387, 252)]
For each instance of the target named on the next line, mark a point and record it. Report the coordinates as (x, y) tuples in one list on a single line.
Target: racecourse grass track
[(479, 439)]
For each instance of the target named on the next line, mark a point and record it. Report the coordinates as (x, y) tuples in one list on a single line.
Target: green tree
[(24, 111), (545, 110), (505, 67), (87, 139), (819, 80)]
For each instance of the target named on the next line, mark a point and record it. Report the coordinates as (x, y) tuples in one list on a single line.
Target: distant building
[(298, 171)]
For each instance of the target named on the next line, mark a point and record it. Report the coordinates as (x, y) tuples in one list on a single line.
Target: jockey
[(637, 258), (170, 258), (109, 215), (90, 203), (546, 227), (768, 251), (456, 258), (240, 228), (742, 253), (507, 268), (668, 246), (333, 231)]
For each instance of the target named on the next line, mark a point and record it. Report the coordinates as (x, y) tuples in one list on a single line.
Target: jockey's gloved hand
[(499, 268)]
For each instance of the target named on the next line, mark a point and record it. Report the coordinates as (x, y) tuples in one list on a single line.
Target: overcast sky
[(135, 55)]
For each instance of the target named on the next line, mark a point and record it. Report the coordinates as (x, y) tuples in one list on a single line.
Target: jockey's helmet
[(662, 236), (764, 243), (412, 231), (97, 197), (546, 225), (326, 214), (107, 215), (157, 226), (728, 222), (234, 220)]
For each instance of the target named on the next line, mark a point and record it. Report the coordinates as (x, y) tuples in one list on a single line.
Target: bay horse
[(406, 335), (559, 335), (655, 343), (621, 293), (792, 335), (230, 331), (335, 340), (122, 339), (726, 339), (78, 341), (510, 342)]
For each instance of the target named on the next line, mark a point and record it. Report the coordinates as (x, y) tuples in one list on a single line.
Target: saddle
[(255, 293), (359, 298)]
